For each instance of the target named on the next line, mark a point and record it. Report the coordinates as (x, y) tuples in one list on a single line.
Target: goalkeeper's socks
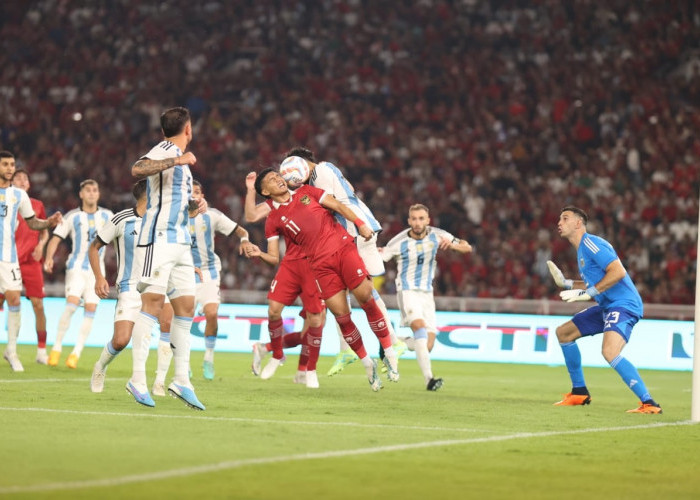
[(572, 357), (630, 376)]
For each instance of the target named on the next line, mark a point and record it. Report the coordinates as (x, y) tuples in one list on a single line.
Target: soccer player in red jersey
[(30, 252), (293, 279), (302, 217)]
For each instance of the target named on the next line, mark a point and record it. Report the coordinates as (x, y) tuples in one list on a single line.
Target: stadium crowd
[(494, 114)]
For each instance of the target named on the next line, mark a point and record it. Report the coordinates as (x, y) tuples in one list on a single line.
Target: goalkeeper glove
[(574, 295), (558, 276)]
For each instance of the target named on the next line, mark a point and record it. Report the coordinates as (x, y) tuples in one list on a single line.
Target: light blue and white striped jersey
[(82, 227), (122, 231), (12, 201), (415, 259), (328, 177), (594, 255), (168, 194), (202, 229)]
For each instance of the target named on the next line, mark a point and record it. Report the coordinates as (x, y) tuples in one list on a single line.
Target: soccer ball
[(294, 170)]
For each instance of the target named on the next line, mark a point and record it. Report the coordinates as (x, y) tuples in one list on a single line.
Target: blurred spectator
[(494, 114)]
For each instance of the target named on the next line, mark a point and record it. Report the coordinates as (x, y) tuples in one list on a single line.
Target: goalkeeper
[(618, 309)]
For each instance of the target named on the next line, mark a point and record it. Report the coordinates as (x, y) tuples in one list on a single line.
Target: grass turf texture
[(490, 432)]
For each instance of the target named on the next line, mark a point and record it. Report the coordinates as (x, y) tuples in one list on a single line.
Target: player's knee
[(315, 319), (565, 333), (274, 313), (120, 340), (363, 293), (610, 352)]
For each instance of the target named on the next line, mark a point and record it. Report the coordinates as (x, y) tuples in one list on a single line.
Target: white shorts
[(370, 255), (10, 277), (417, 304), (207, 292), (81, 283), (168, 269), (128, 306)]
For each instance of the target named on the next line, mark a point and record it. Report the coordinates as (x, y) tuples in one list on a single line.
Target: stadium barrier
[(503, 336)]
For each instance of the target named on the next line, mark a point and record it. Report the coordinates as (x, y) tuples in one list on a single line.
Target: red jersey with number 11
[(304, 221)]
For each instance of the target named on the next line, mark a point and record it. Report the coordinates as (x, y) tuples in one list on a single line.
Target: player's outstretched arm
[(253, 213), (39, 224), (145, 166), (50, 252), (101, 285), (331, 203)]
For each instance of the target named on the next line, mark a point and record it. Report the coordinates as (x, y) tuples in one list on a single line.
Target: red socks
[(352, 335), (276, 329), (312, 344), (377, 322)]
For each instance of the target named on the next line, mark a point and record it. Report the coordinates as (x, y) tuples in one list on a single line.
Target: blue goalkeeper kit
[(594, 255)]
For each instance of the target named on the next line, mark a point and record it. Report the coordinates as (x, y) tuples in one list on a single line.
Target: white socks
[(180, 340), (423, 358), (14, 318), (165, 355), (107, 356), (85, 329), (63, 324), (140, 343)]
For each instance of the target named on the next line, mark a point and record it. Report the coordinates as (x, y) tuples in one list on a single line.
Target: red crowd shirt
[(304, 221), (27, 239)]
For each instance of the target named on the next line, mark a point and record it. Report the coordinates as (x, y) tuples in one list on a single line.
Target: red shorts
[(343, 270), (295, 279), (33, 279)]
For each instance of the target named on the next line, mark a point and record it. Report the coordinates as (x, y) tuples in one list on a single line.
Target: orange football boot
[(574, 400), (646, 408)]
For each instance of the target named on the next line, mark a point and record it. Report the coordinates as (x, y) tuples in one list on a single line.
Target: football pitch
[(490, 432)]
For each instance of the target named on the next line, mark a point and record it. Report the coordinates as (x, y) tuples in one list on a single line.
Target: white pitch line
[(20, 380), (200, 417), (235, 464)]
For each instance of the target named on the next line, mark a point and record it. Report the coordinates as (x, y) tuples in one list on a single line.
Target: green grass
[(490, 432)]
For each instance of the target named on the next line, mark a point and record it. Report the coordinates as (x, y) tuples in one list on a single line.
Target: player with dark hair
[(13, 202), (301, 216), (294, 278), (619, 307), (164, 247), (30, 251)]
